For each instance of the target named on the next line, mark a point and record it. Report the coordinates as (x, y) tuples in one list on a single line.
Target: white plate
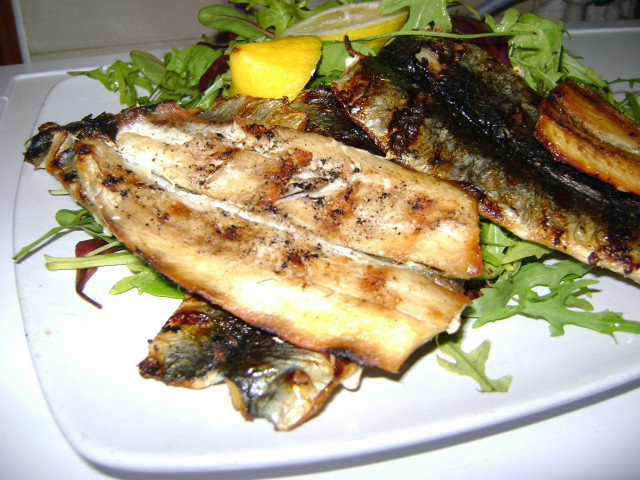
[(87, 359)]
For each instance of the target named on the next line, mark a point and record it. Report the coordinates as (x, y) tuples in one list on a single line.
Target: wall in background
[(73, 28)]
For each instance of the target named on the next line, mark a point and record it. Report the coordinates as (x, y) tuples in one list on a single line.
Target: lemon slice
[(357, 20), (274, 69)]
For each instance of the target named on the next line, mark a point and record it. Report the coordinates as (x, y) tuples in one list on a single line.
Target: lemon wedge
[(356, 20), (276, 68)]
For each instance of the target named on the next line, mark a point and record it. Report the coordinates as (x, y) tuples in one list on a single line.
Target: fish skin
[(316, 110), (432, 105), (202, 345)]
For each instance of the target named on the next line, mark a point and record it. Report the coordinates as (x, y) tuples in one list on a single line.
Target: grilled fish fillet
[(582, 129), (202, 345), (448, 109), (241, 248)]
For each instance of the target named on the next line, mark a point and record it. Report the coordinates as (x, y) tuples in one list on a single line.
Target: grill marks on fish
[(222, 209), (349, 197), (582, 129), (439, 107), (202, 345)]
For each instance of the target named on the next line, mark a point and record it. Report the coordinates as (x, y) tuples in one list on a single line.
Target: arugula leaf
[(149, 66), (562, 305), (147, 280), (176, 77), (68, 220), (73, 263), (333, 60), (535, 45), (503, 252), (190, 63), (629, 105), (472, 364), (421, 13), (121, 77)]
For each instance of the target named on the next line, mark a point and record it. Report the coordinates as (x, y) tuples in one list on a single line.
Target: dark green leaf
[(227, 18), (150, 66), (421, 13)]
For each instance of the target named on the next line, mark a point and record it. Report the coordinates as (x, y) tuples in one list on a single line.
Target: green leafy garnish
[(421, 13), (472, 364), (229, 19), (503, 252), (538, 54), (516, 278), (146, 279), (68, 220), (563, 304), (147, 80)]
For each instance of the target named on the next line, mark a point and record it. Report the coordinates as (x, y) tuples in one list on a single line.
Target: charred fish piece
[(582, 129), (237, 245), (316, 110), (448, 109), (202, 345)]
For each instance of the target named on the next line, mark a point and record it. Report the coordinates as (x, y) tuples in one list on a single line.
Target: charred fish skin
[(520, 186), (496, 102), (316, 110), (202, 345)]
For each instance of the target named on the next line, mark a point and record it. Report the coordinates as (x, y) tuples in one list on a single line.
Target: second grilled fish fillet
[(582, 129), (448, 109), (201, 345)]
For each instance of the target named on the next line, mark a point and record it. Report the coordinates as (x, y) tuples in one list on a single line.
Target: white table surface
[(595, 438)]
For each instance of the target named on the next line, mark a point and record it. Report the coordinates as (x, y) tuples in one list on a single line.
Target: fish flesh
[(446, 108), (226, 220), (582, 129), (354, 199), (202, 345)]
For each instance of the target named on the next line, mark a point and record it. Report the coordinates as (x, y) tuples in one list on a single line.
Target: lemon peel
[(276, 68), (356, 20)]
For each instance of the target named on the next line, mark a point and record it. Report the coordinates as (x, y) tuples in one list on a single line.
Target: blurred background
[(35, 30)]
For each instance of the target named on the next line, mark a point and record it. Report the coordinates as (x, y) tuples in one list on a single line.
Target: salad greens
[(421, 13), (514, 279), (535, 46), (472, 364), (145, 278)]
